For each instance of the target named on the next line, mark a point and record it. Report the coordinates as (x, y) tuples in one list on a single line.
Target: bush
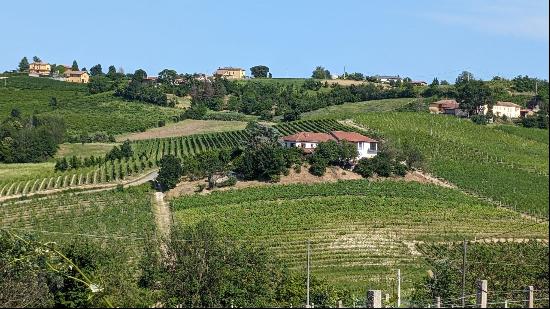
[(229, 182), (318, 166), (479, 119), (400, 169), (364, 168)]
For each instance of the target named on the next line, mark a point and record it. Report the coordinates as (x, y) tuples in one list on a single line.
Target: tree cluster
[(33, 139), (332, 153), (139, 90)]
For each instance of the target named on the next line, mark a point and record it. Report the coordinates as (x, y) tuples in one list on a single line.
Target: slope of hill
[(501, 164), (347, 110), (83, 113), (360, 232)]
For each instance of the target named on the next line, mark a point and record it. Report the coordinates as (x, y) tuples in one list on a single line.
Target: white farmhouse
[(507, 109), (308, 141)]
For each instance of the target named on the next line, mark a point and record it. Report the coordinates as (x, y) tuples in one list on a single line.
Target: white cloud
[(523, 19)]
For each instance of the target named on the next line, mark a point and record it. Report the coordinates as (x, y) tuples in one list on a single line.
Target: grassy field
[(348, 110), (184, 128), (360, 232), (83, 113), (84, 150), (506, 164), (20, 171)]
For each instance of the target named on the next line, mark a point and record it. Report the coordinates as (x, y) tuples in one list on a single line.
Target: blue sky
[(421, 39)]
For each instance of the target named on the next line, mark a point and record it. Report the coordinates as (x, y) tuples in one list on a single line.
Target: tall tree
[(96, 70), (139, 75), (74, 67), (473, 95), (111, 73), (23, 65), (320, 73), (170, 172), (463, 77), (259, 71), (167, 77), (36, 59)]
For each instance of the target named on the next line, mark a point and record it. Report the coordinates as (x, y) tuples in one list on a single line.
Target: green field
[(348, 110), (360, 232), (108, 215), (84, 150), (83, 113), (507, 165)]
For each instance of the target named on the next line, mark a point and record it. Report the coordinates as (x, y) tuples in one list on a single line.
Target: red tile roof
[(447, 104), (308, 137), (353, 137)]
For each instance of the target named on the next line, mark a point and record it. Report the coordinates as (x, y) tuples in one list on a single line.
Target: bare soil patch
[(183, 128)]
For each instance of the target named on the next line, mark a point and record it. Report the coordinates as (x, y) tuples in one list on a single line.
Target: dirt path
[(163, 221)]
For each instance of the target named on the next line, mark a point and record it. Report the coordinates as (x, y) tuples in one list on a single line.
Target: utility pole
[(464, 275), (398, 288), (307, 279), (536, 87)]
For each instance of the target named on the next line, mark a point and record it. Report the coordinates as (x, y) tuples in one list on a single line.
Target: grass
[(82, 112), (348, 110), (23, 171), (184, 128), (360, 232), (499, 163), (84, 150)]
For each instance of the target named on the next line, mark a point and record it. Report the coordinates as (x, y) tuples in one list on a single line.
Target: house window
[(372, 146), (360, 146)]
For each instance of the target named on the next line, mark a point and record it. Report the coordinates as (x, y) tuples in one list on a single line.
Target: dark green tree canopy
[(320, 73), (23, 65), (96, 70), (259, 71), (74, 67)]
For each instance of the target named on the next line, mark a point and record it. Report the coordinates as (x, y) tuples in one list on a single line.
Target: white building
[(508, 109), (308, 141)]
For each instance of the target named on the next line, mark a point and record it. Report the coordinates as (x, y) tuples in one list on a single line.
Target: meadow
[(360, 232)]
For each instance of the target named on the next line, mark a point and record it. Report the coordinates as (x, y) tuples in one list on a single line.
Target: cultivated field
[(360, 231), (494, 162), (347, 110), (84, 150)]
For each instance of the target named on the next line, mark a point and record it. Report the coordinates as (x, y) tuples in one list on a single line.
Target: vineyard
[(500, 164), (147, 154), (97, 216), (360, 231)]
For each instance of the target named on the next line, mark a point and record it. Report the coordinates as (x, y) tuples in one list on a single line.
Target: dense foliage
[(30, 140)]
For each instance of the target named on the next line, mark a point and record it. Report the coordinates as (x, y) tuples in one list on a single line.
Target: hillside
[(499, 163), (347, 110), (82, 112), (360, 231)]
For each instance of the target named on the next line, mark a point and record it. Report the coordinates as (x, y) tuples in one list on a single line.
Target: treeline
[(33, 139)]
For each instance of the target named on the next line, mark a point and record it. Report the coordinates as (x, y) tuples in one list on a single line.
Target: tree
[(444, 83), (435, 82), (464, 77), (320, 73), (167, 77), (96, 70), (111, 72), (473, 95), (259, 71), (170, 172), (24, 65), (36, 59), (126, 149), (213, 163), (98, 84), (139, 75), (74, 67)]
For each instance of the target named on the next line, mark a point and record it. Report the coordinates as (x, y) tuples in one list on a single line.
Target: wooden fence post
[(481, 299)]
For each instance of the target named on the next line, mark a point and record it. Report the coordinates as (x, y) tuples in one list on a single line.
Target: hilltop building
[(81, 77), (308, 141), (388, 78), (508, 109), (39, 69), (230, 73)]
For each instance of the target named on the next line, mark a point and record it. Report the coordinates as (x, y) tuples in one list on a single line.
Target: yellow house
[(507, 109), (77, 77), (39, 68), (230, 73)]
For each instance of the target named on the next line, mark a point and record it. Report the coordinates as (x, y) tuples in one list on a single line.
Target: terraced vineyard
[(360, 232), (103, 216), (507, 165)]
